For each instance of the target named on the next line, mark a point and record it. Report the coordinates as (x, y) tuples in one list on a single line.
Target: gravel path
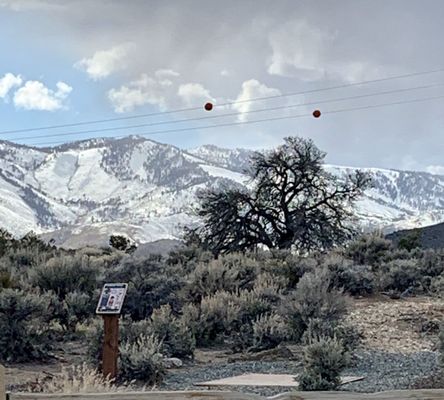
[(390, 371), (382, 371)]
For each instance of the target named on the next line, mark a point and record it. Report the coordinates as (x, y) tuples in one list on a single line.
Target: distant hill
[(428, 237)]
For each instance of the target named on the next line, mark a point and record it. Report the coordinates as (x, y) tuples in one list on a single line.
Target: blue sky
[(74, 61)]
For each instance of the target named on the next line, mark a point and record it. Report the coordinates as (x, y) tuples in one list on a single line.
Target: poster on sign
[(112, 298)]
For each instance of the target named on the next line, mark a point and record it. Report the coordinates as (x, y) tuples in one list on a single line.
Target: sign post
[(110, 307)]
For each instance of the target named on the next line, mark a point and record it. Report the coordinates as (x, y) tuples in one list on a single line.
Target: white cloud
[(28, 5), (164, 76), (166, 73), (8, 82), (436, 169), (251, 89), (34, 95), (104, 62), (193, 94), (146, 90), (305, 51), (297, 47)]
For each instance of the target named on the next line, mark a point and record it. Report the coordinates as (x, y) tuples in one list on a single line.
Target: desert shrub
[(269, 287), (229, 315), (25, 334), (229, 273), (441, 346), (94, 342), (357, 280), (188, 258), (251, 305), (130, 331), (190, 314), (177, 338), (7, 279), (431, 262), (347, 334), (6, 241), (122, 243), (313, 299), (65, 274), (77, 308), (437, 286), (399, 275), (290, 266), (269, 331), (207, 279), (151, 283), (324, 359), (411, 240), (23, 257), (369, 250), (216, 315), (142, 360)]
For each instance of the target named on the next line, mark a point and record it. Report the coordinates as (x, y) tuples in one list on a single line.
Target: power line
[(268, 109), (360, 108), (227, 103)]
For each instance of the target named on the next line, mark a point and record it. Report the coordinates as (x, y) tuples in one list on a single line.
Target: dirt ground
[(404, 326), (401, 326)]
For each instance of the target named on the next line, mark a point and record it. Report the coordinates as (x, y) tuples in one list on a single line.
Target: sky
[(65, 62)]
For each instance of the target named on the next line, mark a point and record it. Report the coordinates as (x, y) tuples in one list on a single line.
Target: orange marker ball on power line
[(208, 106), (316, 113)]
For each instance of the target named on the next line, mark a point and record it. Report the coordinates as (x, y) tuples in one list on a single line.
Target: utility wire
[(338, 99), (418, 100), (413, 74)]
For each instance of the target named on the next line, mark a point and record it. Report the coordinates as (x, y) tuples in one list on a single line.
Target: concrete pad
[(265, 380)]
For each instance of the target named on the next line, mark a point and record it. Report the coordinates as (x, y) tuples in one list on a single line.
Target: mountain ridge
[(84, 191)]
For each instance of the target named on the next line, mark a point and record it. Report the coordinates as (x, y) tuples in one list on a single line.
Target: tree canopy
[(291, 201)]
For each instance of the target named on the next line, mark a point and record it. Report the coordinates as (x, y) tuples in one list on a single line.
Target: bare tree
[(293, 201)]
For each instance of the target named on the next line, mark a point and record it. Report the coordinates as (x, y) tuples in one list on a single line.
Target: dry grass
[(81, 379)]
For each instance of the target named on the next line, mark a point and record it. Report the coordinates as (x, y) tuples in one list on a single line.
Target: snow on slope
[(81, 193)]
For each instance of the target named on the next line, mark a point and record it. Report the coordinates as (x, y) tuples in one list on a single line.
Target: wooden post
[(110, 345), (2, 383)]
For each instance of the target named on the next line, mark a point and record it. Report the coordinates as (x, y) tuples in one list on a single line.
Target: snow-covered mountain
[(81, 193)]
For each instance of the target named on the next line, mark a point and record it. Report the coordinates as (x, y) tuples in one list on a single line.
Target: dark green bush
[(357, 280), (65, 274), (25, 334), (151, 283), (399, 275), (324, 359), (77, 308), (431, 262), (369, 250)]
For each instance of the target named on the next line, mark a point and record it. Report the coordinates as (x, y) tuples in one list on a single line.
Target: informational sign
[(112, 298)]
